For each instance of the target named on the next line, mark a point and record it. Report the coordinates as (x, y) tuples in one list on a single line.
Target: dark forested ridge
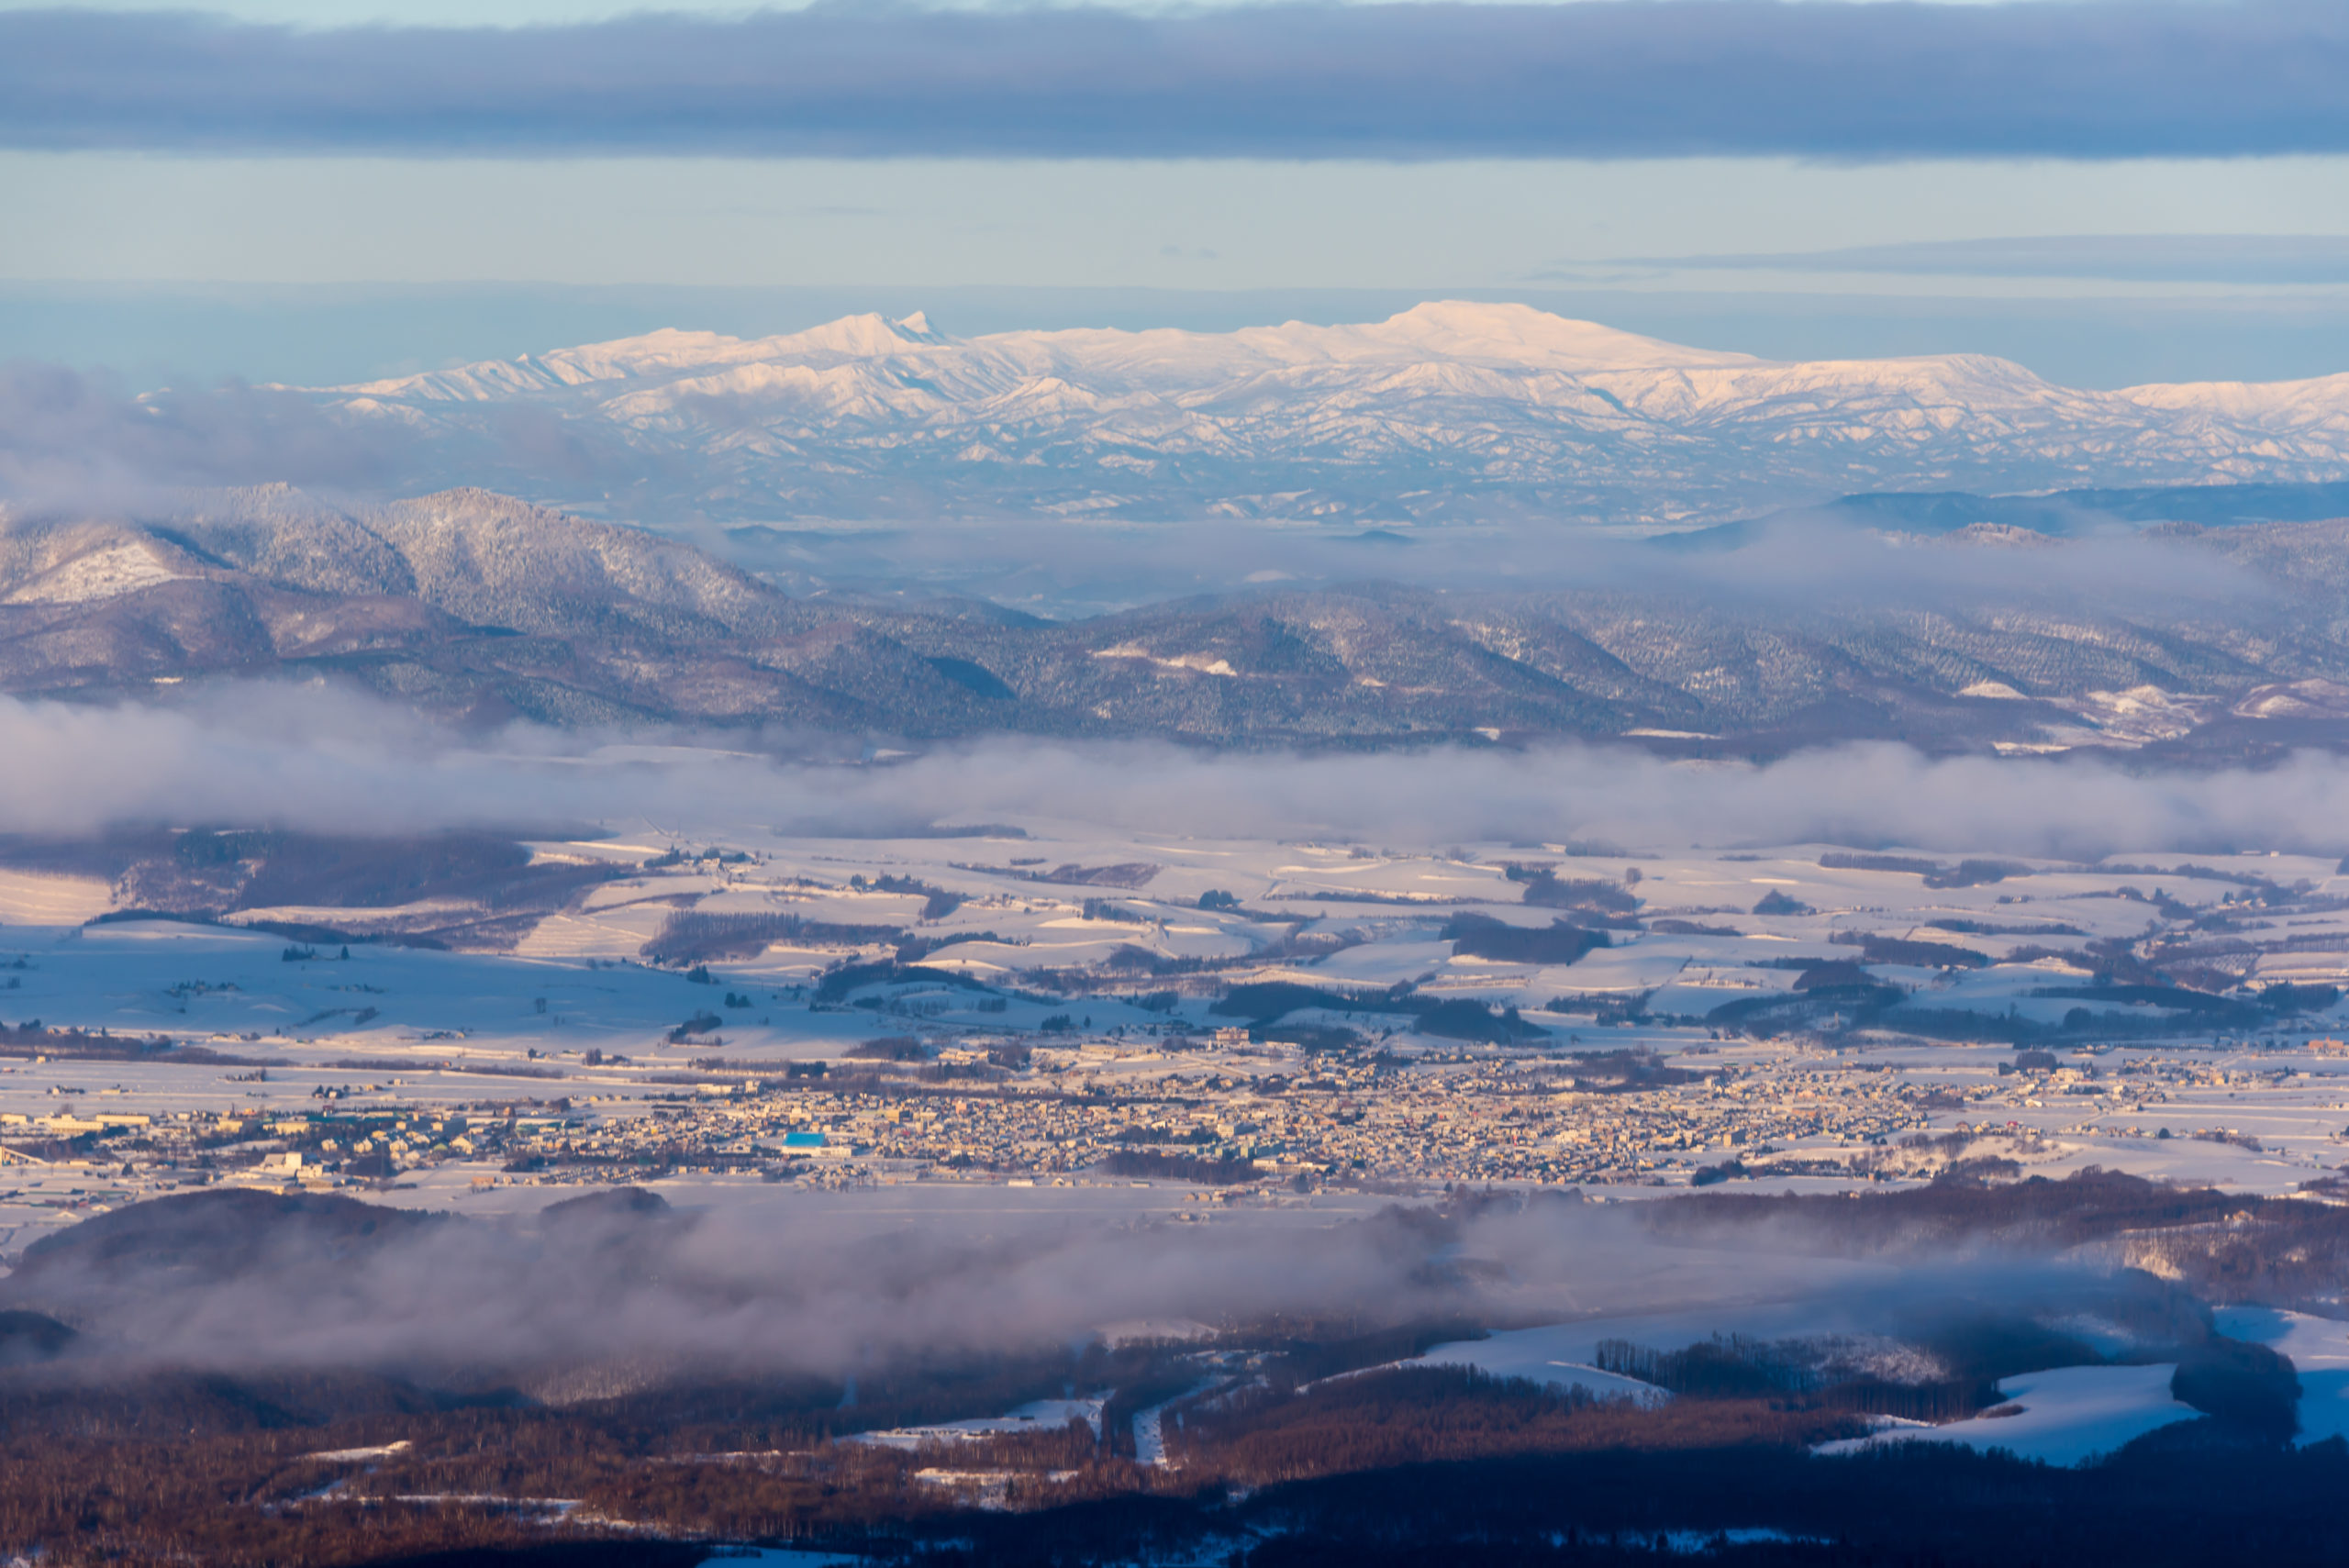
[(1289, 1441), (260, 1471)]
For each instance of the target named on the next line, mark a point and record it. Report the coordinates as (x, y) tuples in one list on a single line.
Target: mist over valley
[(1486, 784)]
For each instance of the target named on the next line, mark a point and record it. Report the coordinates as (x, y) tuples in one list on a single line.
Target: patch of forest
[(1303, 1440)]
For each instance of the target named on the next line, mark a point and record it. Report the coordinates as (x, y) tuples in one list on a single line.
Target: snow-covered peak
[(1510, 336), (1521, 335), (863, 336), (2327, 396), (917, 326), (1424, 412), (667, 354)]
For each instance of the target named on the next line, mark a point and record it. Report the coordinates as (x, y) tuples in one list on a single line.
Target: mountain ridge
[(1447, 412), (481, 607)]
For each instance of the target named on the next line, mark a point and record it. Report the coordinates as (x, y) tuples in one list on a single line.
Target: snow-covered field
[(2319, 1351), (36, 898), (1562, 1353), (577, 1009), (1532, 1367), (1038, 1415), (2060, 1417)]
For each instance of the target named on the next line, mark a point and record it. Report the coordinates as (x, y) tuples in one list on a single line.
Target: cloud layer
[(70, 440), (777, 1283), (1614, 78), (311, 758)]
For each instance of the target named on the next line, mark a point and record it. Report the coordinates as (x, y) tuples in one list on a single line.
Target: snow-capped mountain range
[(1449, 411)]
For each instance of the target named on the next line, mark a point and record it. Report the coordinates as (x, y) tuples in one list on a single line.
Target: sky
[(495, 13), (2109, 190)]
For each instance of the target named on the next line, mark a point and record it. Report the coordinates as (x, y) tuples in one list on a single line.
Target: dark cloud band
[(1618, 78)]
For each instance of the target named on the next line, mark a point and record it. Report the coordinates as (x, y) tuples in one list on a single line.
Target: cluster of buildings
[(1111, 1110), (1287, 1119), (1242, 1113)]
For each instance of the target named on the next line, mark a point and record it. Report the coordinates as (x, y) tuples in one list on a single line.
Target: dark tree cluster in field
[(1964, 1348), (1180, 1167), (32, 1038), (482, 889), (1621, 1071), (1426, 1413), (1480, 935), (2246, 1385), (690, 937), (937, 902), (1594, 901), (1875, 949), (890, 1048), (837, 984)]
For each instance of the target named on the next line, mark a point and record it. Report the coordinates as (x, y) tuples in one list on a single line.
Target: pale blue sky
[(1170, 224), (520, 13), (898, 226), (1408, 146), (407, 13)]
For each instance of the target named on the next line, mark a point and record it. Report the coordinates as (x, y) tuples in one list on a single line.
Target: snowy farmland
[(1343, 1017)]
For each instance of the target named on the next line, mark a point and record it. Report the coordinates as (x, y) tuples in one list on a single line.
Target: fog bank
[(811, 1283), (316, 759)]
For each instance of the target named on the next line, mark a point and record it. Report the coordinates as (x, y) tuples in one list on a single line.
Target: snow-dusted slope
[(1446, 410)]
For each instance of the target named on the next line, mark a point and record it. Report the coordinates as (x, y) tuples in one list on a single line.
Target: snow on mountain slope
[(84, 563), (1500, 335), (479, 605), (668, 352), (105, 573), (484, 559), (495, 561), (2307, 414), (1447, 410)]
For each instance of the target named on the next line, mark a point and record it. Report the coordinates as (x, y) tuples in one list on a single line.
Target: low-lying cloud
[(1810, 562), (783, 1281), (316, 759), (1612, 79), (83, 441)]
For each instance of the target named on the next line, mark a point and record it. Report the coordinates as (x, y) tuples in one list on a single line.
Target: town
[(1215, 1023)]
